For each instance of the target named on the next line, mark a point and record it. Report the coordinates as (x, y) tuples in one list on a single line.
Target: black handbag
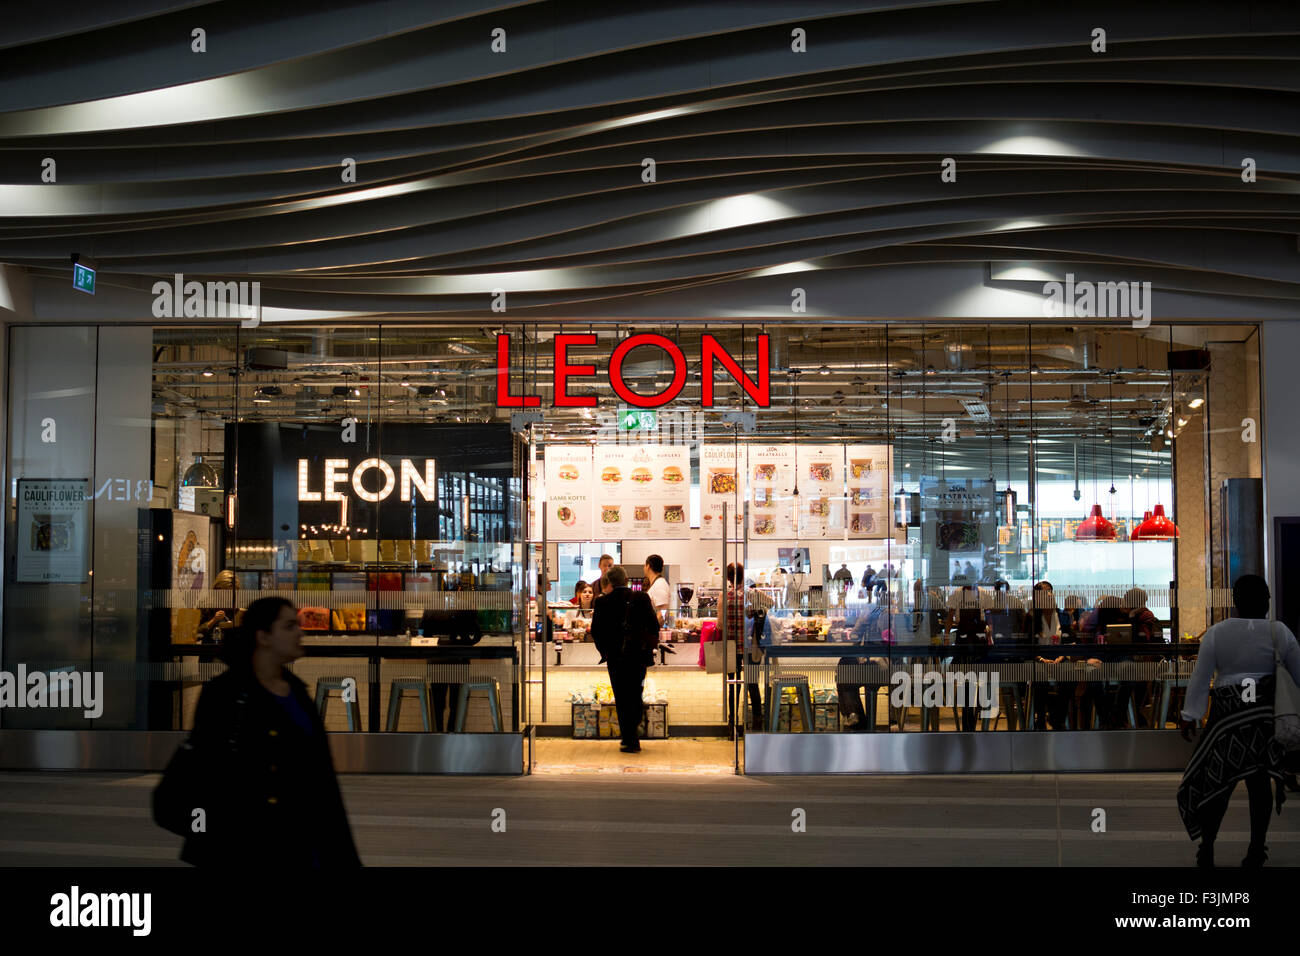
[(184, 784)]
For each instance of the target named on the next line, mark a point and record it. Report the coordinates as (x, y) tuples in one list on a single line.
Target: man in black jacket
[(617, 618)]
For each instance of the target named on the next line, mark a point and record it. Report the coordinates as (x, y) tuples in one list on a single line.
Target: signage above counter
[(711, 354)]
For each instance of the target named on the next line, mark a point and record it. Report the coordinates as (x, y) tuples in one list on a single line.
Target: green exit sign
[(83, 278), (635, 419)]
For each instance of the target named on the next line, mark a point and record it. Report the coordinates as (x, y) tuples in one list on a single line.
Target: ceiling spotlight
[(1196, 403), (207, 372), (825, 370), (357, 392), (405, 384)]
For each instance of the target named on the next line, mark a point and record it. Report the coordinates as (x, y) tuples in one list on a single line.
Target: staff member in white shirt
[(657, 584), (1238, 741)]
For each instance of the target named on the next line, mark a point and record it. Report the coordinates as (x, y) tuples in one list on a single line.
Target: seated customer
[(221, 619)]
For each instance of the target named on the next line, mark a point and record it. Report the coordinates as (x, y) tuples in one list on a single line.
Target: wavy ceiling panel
[(523, 169)]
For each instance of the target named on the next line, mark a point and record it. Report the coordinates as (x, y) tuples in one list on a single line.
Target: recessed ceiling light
[(208, 373)]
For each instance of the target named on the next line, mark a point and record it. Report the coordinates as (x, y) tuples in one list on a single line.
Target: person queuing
[(606, 562), (618, 619), (270, 793), (1238, 742), (759, 604)]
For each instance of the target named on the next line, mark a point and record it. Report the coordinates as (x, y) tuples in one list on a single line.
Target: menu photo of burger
[(673, 475), (569, 473), (611, 475), (642, 476)]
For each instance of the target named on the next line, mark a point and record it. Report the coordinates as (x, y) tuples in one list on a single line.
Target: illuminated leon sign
[(337, 473), (711, 351)]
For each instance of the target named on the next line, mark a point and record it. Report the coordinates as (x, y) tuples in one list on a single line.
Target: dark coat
[(274, 797), (608, 613)]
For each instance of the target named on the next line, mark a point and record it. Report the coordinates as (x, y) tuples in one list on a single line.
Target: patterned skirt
[(1237, 742)]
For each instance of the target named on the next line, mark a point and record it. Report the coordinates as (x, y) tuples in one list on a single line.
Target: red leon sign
[(563, 370)]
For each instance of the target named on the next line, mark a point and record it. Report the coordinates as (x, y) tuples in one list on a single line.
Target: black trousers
[(626, 678), (444, 695), (1259, 788)]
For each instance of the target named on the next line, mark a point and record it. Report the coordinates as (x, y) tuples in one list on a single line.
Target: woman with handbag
[(257, 763), (1247, 656)]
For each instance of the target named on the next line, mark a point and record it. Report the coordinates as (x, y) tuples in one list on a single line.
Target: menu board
[(569, 485), (820, 469), (959, 527), (770, 476), (642, 491), (868, 505), (721, 475)]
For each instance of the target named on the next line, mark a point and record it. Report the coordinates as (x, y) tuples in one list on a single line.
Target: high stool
[(800, 684), (493, 689), (323, 687), (401, 686)]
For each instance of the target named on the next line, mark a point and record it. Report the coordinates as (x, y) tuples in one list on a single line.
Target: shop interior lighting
[(208, 373), (1196, 403)]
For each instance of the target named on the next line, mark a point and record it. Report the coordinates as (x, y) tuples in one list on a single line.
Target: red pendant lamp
[(1136, 533), (1156, 527), (1095, 527)]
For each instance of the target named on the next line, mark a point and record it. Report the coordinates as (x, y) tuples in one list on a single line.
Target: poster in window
[(869, 505), (721, 480), (53, 530), (570, 487), (821, 504)]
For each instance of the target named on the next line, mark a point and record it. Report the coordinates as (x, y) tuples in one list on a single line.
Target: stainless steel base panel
[(997, 752), (149, 751)]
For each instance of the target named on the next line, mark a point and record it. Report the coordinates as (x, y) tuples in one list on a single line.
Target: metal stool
[(493, 689), (800, 685), (400, 686), (323, 687)]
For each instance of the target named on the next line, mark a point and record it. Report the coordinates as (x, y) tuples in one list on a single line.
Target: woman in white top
[(1238, 741), (657, 584)]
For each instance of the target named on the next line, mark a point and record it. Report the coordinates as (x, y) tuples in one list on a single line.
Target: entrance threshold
[(676, 755)]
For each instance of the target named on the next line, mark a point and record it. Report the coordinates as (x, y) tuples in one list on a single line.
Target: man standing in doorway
[(618, 619)]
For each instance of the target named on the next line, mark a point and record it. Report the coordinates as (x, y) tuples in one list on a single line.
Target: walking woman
[(1238, 741), (270, 797)]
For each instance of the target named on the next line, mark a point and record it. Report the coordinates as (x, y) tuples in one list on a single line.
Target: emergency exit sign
[(83, 278), (635, 419)]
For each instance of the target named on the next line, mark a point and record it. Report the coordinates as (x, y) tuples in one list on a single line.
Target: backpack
[(637, 635)]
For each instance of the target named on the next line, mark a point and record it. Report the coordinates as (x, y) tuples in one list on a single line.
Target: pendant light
[(201, 474), (1157, 526), (1095, 527)]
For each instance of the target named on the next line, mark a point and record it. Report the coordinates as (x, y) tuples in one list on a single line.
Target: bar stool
[(493, 688), (323, 687), (400, 687), (799, 683)]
